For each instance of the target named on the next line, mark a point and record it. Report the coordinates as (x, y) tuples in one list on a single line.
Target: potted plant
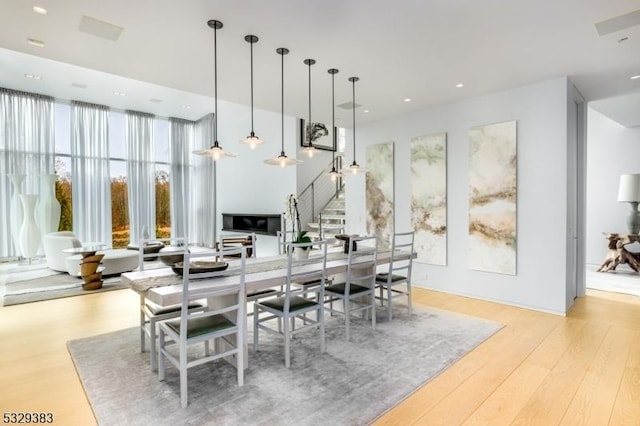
[(299, 236)]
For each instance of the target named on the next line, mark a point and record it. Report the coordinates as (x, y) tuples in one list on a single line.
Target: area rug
[(351, 384), (51, 287), (622, 280)]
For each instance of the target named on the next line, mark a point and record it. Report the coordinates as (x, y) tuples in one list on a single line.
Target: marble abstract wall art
[(429, 197), (379, 192), (492, 198)]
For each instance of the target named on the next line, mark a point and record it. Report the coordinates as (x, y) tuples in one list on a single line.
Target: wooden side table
[(90, 269), (618, 254)]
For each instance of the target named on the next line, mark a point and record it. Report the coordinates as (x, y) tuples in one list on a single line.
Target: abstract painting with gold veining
[(492, 198), (429, 197), (379, 192)]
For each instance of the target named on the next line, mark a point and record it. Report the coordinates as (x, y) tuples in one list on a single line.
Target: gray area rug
[(353, 383), (52, 287)]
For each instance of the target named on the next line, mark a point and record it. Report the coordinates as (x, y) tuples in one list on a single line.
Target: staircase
[(331, 220)]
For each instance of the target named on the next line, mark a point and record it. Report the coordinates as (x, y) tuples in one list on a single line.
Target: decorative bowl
[(171, 259), (200, 267)]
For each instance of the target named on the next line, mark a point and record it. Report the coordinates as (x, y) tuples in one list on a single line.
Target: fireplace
[(267, 224)]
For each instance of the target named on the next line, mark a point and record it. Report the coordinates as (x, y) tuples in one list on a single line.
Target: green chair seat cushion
[(259, 293), (296, 303), (163, 310), (202, 325), (308, 283), (341, 288), (383, 277)]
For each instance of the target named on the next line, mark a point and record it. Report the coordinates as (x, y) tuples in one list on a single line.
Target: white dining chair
[(193, 328), (396, 281), (357, 292), (292, 306)]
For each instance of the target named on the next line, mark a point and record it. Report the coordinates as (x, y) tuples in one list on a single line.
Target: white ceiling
[(400, 49)]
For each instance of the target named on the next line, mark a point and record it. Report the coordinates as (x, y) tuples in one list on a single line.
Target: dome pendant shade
[(252, 140), (282, 160), (354, 168), (215, 151)]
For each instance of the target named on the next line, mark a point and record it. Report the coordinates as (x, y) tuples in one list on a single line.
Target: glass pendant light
[(333, 174), (215, 152), (309, 150), (282, 160), (252, 140), (354, 168)]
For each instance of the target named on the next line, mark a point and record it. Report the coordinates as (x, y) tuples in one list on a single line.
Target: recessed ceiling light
[(366, 111), (33, 76), (119, 93), (407, 99), (186, 106), (36, 43), (634, 77), (459, 85), (40, 10)]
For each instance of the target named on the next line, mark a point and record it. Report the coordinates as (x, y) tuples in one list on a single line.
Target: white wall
[(612, 150), (245, 184), (541, 114)]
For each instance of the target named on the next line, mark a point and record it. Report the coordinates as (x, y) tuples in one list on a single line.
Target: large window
[(63, 164), (162, 176)]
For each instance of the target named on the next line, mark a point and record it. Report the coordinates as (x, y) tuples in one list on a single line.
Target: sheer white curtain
[(140, 174), (181, 142), (203, 188), (26, 147), (91, 189)]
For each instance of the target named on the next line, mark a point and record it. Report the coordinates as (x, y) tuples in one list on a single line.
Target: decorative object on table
[(15, 213), (346, 238), (252, 140), (215, 151), (313, 131), (379, 186), (172, 259), (200, 267), (492, 198), (29, 234), (148, 247), (333, 174), (48, 207), (354, 167), (629, 192), (282, 160), (299, 236), (429, 197), (617, 254)]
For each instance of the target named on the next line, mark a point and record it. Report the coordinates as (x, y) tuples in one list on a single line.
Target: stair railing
[(319, 192)]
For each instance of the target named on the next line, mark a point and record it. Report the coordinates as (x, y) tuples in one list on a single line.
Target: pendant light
[(354, 167), (309, 149), (215, 152), (282, 160), (333, 174), (252, 140)]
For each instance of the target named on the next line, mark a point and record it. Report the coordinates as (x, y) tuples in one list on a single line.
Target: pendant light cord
[(333, 120), (282, 99), (309, 124), (215, 85), (354, 121), (252, 132)]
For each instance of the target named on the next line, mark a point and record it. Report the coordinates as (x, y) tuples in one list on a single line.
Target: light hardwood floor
[(540, 369)]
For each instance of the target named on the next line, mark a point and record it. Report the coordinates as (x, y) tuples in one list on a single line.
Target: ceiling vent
[(79, 85), (618, 23), (99, 28), (348, 105)]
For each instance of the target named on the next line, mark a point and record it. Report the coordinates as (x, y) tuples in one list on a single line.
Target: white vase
[(48, 207), (301, 254), (29, 233), (15, 212)]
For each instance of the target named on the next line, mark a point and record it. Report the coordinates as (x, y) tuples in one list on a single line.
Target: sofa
[(115, 261)]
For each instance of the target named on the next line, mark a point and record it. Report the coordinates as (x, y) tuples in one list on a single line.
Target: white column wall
[(541, 112)]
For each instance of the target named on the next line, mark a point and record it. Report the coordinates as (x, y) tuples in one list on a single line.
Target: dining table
[(163, 286)]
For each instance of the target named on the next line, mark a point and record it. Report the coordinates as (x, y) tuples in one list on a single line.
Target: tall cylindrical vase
[(15, 211), (29, 233), (48, 207)]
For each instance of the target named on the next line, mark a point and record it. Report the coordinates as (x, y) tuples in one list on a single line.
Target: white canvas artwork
[(429, 197), (379, 192), (492, 198)]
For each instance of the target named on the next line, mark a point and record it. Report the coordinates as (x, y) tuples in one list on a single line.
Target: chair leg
[(347, 316), (255, 327), (161, 357), (287, 343), (320, 315), (373, 310), (409, 297), (153, 350), (143, 321), (389, 296), (184, 401)]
